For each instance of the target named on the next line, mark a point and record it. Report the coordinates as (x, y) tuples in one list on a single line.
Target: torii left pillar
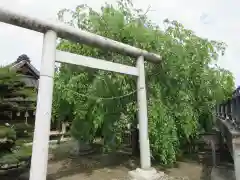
[(39, 161)]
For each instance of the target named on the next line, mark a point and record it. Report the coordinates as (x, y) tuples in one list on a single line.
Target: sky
[(213, 19)]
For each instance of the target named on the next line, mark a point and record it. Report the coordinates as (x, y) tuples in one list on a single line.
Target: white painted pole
[(39, 159), (142, 116), (66, 57)]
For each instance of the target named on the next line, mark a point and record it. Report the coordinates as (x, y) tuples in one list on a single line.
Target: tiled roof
[(18, 65), (29, 80)]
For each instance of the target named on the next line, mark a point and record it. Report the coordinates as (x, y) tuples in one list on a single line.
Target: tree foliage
[(182, 89), (12, 87)]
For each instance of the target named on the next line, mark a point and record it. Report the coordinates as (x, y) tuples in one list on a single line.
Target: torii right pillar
[(146, 172)]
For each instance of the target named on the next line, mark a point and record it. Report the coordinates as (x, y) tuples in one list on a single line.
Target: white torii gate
[(51, 31)]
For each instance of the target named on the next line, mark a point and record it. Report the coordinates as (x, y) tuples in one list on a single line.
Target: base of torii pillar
[(145, 174)]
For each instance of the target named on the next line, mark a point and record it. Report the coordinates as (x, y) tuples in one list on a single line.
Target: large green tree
[(182, 89)]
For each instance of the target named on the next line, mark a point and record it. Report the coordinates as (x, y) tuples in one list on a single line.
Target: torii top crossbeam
[(68, 32)]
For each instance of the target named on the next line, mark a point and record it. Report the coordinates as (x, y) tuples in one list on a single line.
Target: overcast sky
[(214, 19)]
